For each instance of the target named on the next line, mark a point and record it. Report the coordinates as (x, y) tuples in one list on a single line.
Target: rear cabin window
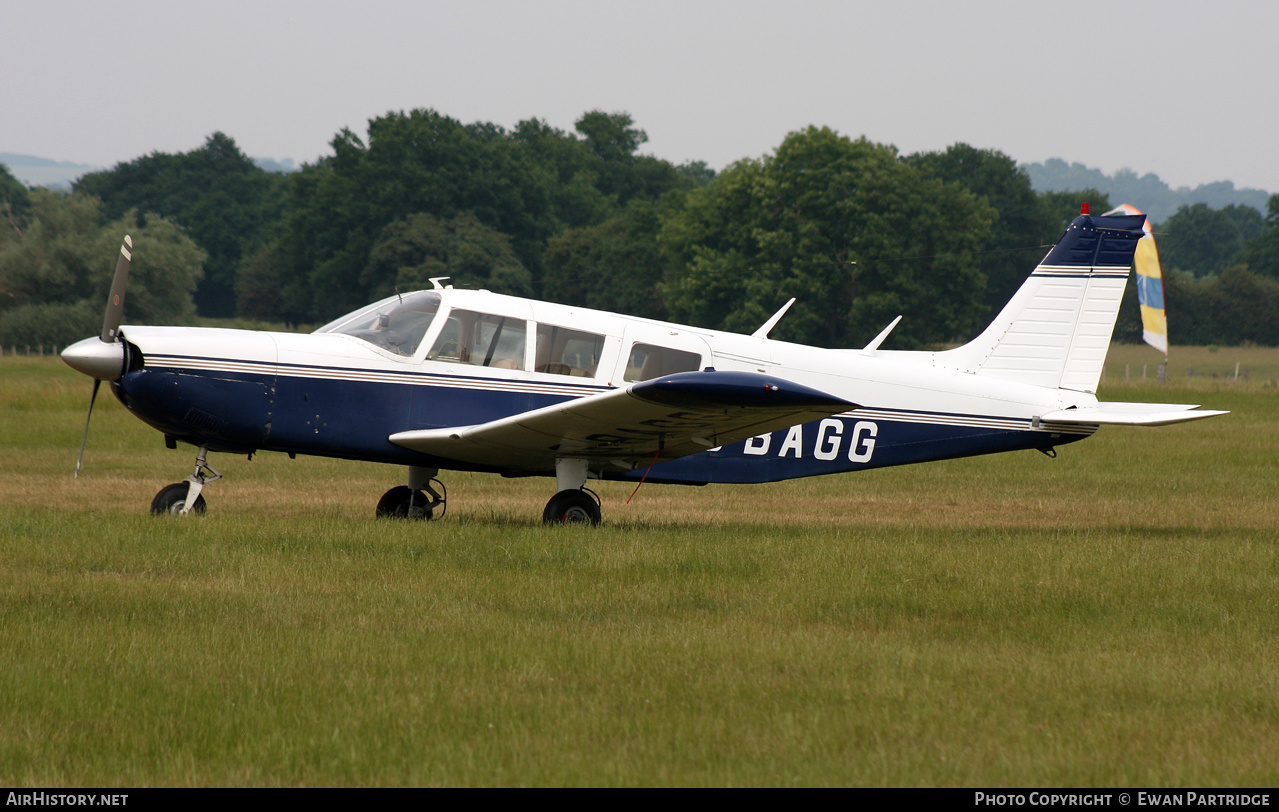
[(563, 351), (649, 361), (481, 339)]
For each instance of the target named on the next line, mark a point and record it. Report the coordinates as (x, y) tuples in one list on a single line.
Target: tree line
[(856, 231)]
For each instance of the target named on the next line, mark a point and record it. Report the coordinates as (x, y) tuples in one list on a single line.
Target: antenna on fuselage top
[(436, 280), (870, 348), (762, 332)]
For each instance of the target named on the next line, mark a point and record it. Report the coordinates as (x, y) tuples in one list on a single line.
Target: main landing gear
[(183, 498), (425, 497), (573, 504), (579, 506), (417, 500)]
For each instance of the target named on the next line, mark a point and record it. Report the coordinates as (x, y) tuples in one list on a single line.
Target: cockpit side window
[(564, 351), (397, 324), (648, 361), (481, 339)]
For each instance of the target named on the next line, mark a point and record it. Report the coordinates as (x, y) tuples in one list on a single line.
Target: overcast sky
[(1188, 90)]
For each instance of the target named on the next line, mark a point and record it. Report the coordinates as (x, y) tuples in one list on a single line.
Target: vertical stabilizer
[(1056, 329)]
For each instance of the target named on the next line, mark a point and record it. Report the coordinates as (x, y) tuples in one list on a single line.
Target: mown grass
[(1106, 618), (1190, 366)]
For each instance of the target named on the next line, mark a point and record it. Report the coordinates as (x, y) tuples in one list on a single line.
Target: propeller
[(103, 358), (115, 302), (97, 382)]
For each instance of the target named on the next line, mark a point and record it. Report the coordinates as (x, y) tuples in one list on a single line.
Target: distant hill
[(35, 171), (1146, 192), (280, 167)]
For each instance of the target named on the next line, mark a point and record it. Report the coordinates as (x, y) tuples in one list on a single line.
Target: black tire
[(169, 501), (572, 507), (402, 502)]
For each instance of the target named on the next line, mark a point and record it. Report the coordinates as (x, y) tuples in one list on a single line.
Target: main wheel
[(572, 507), (402, 502), (171, 498)]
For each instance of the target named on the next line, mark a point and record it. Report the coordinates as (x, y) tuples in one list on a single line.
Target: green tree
[(1202, 240), (611, 136), (55, 278), (528, 184), (697, 172), (570, 173), (414, 163), (614, 140), (616, 265), (856, 235), (1021, 226), (221, 197), (272, 286), (1233, 307), (413, 250), (1260, 253), (15, 203)]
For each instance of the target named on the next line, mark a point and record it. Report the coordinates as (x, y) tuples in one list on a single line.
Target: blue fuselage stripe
[(330, 415)]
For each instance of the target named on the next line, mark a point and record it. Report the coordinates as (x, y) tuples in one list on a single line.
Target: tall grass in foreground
[(1106, 618)]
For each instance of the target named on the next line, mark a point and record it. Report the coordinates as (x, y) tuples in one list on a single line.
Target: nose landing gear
[(420, 499), (183, 498)]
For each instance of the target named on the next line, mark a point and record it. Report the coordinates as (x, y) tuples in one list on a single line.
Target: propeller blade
[(115, 302), (92, 398)]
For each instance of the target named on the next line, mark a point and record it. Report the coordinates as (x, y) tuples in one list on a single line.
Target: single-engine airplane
[(477, 381)]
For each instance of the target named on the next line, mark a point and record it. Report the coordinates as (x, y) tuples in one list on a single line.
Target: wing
[(661, 419), (1129, 414)]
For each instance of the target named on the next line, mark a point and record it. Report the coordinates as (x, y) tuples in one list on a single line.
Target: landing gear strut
[(417, 500), (573, 504), (183, 498)]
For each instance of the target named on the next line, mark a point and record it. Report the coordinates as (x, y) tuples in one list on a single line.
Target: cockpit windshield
[(397, 323)]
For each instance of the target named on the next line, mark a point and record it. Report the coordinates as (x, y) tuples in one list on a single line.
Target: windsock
[(1150, 286)]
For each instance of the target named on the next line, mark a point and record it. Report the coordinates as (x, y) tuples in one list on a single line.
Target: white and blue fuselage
[(333, 394), (473, 380)]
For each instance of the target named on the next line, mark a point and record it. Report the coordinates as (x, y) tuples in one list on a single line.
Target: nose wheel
[(183, 498), (172, 499), (424, 498)]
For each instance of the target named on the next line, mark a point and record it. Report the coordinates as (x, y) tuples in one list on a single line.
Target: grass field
[(1110, 617)]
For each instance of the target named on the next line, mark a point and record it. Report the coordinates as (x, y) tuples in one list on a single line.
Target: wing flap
[(661, 419), (1130, 414)]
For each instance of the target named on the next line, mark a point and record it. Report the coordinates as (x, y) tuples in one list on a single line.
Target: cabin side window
[(397, 324), (650, 361), (481, 339), (564, 351)]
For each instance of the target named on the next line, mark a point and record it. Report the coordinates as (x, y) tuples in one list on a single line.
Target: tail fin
[(1056, 329)]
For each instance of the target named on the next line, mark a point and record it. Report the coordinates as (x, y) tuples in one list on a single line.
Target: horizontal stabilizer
[(1130, 414)]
